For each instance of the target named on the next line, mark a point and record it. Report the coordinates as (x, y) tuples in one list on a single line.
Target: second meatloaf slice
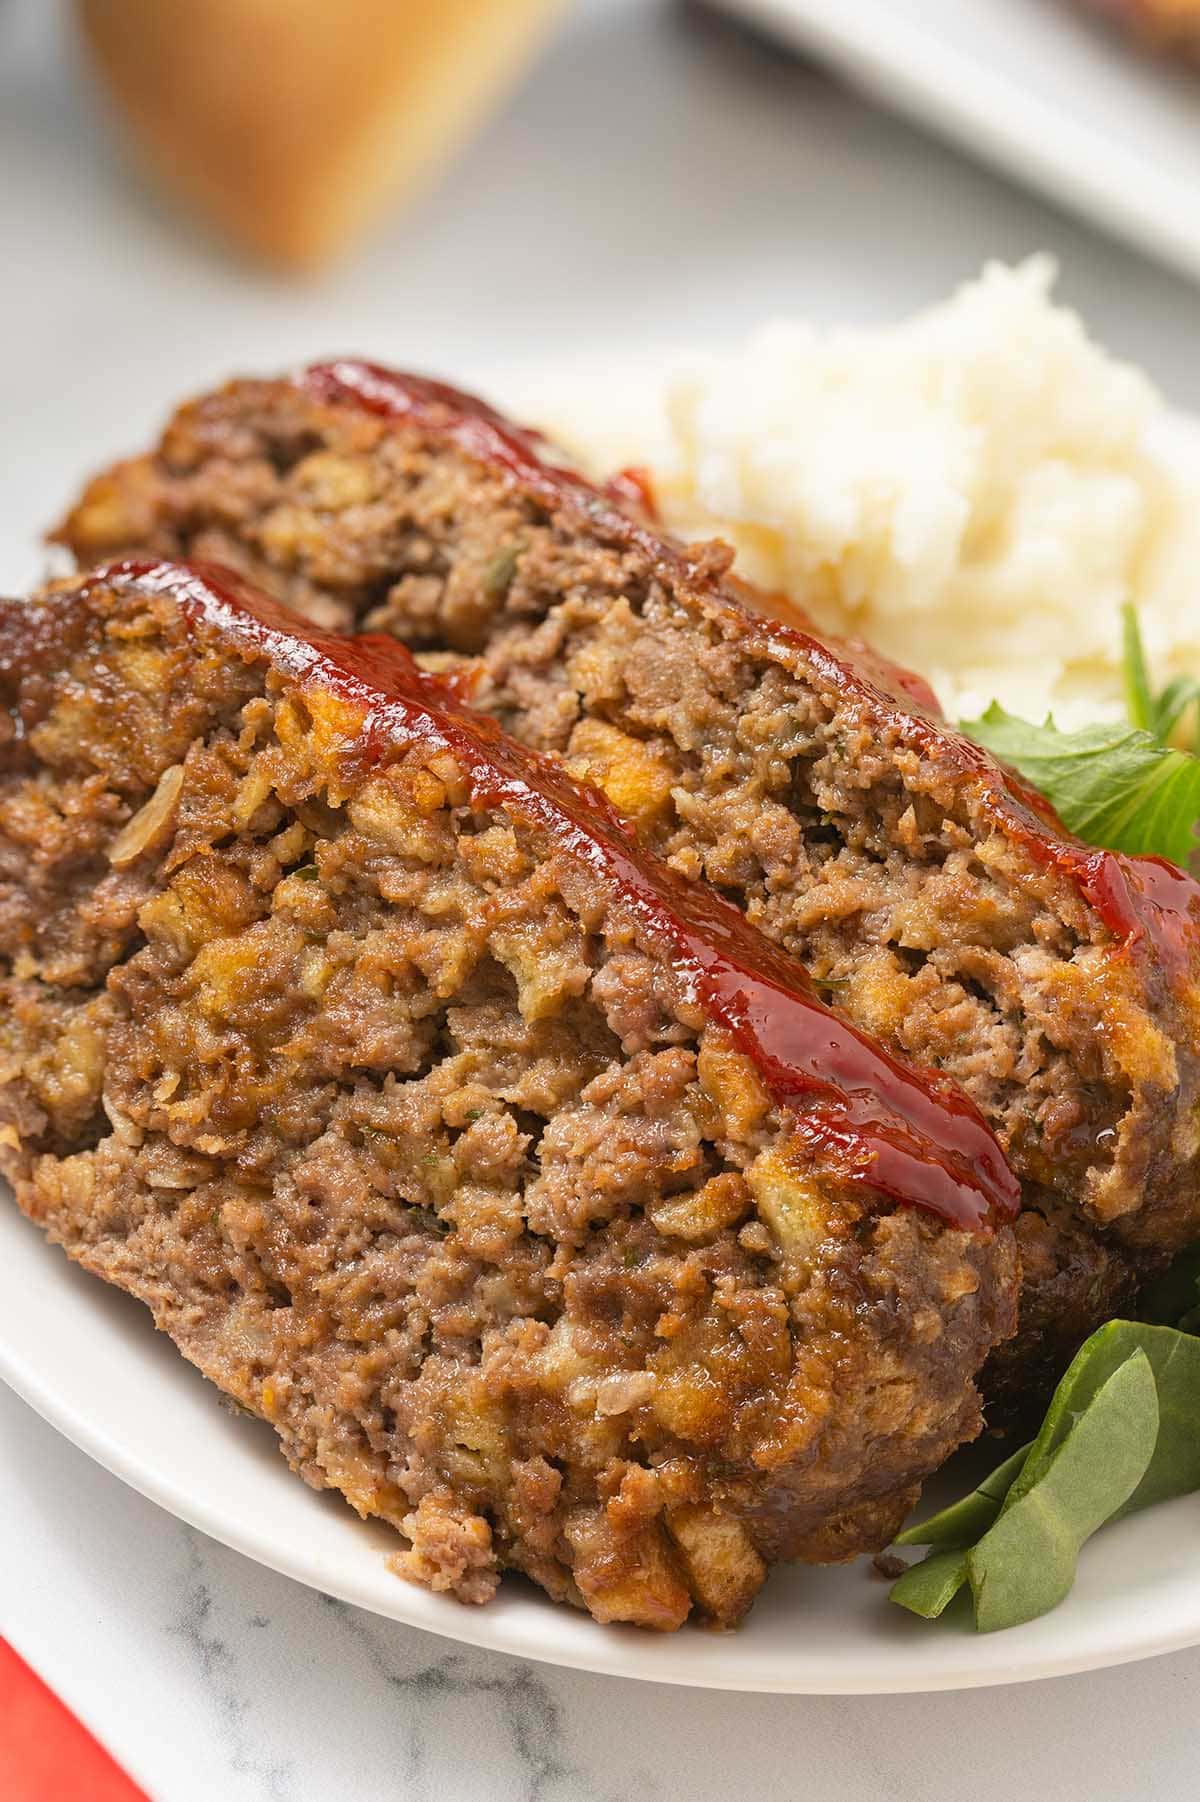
[(534, 1199), (945, 909)]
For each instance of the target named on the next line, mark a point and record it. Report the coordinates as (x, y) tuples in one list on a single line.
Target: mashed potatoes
[(976, 491)]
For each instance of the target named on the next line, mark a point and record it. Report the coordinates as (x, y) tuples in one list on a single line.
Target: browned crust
[(250, 474), (258, 965)]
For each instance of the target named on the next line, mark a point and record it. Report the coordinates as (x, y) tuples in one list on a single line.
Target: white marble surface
[(654, 180), (216, 1681)]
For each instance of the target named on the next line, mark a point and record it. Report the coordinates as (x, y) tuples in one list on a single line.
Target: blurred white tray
[(1037, 87)]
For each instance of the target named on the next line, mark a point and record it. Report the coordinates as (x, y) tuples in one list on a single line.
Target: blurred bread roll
[(1165, 24), (291, 123)]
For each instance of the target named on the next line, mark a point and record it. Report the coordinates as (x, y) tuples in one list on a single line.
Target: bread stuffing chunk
[(934, 896), (537, 1201)]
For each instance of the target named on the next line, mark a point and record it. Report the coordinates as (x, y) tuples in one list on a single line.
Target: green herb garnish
[(432, 1222), (1158, 714), (1114, 785), (1121, 1433), (499, 571), (833, 983), (964, 1521), (1025, 1564), (1122, 786), (307, 872)]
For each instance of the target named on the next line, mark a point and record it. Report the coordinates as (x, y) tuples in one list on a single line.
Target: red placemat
[(46, 1755)]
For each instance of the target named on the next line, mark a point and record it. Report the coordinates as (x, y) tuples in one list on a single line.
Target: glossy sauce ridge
[(1148, 905), (909, 1134)]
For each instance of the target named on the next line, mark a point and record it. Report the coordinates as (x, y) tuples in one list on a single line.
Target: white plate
[(88, 1359), (1038, 87)]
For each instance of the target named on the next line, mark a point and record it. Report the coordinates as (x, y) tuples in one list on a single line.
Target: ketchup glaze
[(910, 1134), (1151, 908)]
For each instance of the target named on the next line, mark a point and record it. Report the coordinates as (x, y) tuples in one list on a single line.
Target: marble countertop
[(656, 179), (210, 1677)]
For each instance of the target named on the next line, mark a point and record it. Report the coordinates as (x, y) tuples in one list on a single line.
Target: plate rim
[(491, 1630), (971, 104), (606, 1652)]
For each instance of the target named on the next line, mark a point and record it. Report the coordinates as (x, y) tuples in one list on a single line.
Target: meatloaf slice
[(539, 1204), (944, 908)]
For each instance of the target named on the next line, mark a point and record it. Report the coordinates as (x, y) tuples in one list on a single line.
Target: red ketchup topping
[(1151, 908), (908, 1133), (633, 487)]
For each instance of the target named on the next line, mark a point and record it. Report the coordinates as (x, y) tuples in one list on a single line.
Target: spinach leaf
[(964, 1521), (1175, 1467), (1025, 1564), (1174, 1358), (1012, 1537), (927, 1588)]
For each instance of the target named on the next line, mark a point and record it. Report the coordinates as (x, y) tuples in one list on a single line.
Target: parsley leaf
[(1173, 703), (1125, 787), (1158, 714), (1139, 698), (1115, 785)]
